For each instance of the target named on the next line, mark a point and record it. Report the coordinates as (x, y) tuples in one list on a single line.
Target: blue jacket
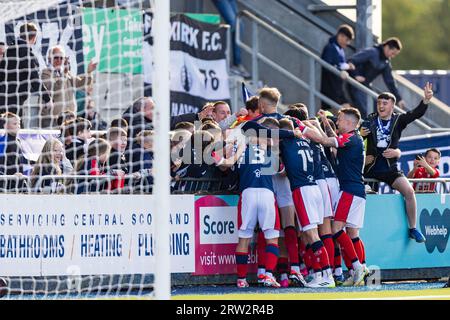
[(331, 84), (370, 63)]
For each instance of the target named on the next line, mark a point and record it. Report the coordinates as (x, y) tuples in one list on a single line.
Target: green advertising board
[(113, 37)]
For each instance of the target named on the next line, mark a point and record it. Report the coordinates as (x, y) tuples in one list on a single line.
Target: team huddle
[(302, 190)]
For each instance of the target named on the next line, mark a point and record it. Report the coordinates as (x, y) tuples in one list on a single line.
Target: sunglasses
[(58, 57)]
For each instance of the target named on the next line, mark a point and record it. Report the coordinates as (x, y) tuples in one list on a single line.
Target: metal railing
[(67, 184), (82, 184), (434, 185), (313, 60)]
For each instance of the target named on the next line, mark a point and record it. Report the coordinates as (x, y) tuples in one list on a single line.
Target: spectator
[(371, 62), (228, 10), (198, 161), (221, 111), (222, 114), (334, 54), (93, 116), (383, 134), (119, 123), (426, 168), (76, 135), (48, 164), (139, 116), (189, 126), (11, 155), (206, 112), (65, 116), (19, 73), (60, 81), (117, 164), (178, 140), (140, 159), (93, 163), (2, 50)]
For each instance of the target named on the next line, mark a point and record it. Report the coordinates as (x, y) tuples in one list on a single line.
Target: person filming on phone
[(383, 135), (60, 81), (425, 167)]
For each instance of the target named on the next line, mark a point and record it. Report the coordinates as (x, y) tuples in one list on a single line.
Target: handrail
[(438, 181), (315, 59)]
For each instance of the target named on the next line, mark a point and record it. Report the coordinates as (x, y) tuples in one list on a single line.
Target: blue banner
[(385, 232), (412, 146)]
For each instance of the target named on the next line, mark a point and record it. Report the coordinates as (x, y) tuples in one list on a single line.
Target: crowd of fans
[(123, 155)]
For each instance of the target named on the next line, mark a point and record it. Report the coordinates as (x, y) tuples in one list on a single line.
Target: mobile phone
[(418, 156), (365, 124)]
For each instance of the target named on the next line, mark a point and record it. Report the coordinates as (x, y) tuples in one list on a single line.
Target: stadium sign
[(216, 236), (48, 235), (198, 64), (435, 227)]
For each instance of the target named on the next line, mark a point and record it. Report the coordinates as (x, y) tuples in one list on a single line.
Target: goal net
[(77, 133)]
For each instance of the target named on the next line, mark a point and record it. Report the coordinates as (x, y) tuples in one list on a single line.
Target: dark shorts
[(387, 177)]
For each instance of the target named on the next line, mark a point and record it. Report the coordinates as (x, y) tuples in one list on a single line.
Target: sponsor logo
[(435, 227), (218, 225)]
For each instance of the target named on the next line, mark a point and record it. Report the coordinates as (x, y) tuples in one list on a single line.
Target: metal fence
[(132, 184)]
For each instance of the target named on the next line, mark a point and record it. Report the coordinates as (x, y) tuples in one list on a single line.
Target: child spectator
[(48, 163), (117, 165), (76, 135), (426, 168), (140, 159), (11, 156), (93, 163), (119, 123)]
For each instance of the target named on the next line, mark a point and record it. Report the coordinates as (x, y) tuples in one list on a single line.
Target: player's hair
[(75, 126), (270, 122), (286, 124), (433, 150), (115, 132), (271, 94), (185, 125), (387, 96), (28, 31), (353, 112), (393, 43), (207, 104), (297, 113), (65, 116), (297, 105), (119, 123), (252, 103), (346, 30)]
